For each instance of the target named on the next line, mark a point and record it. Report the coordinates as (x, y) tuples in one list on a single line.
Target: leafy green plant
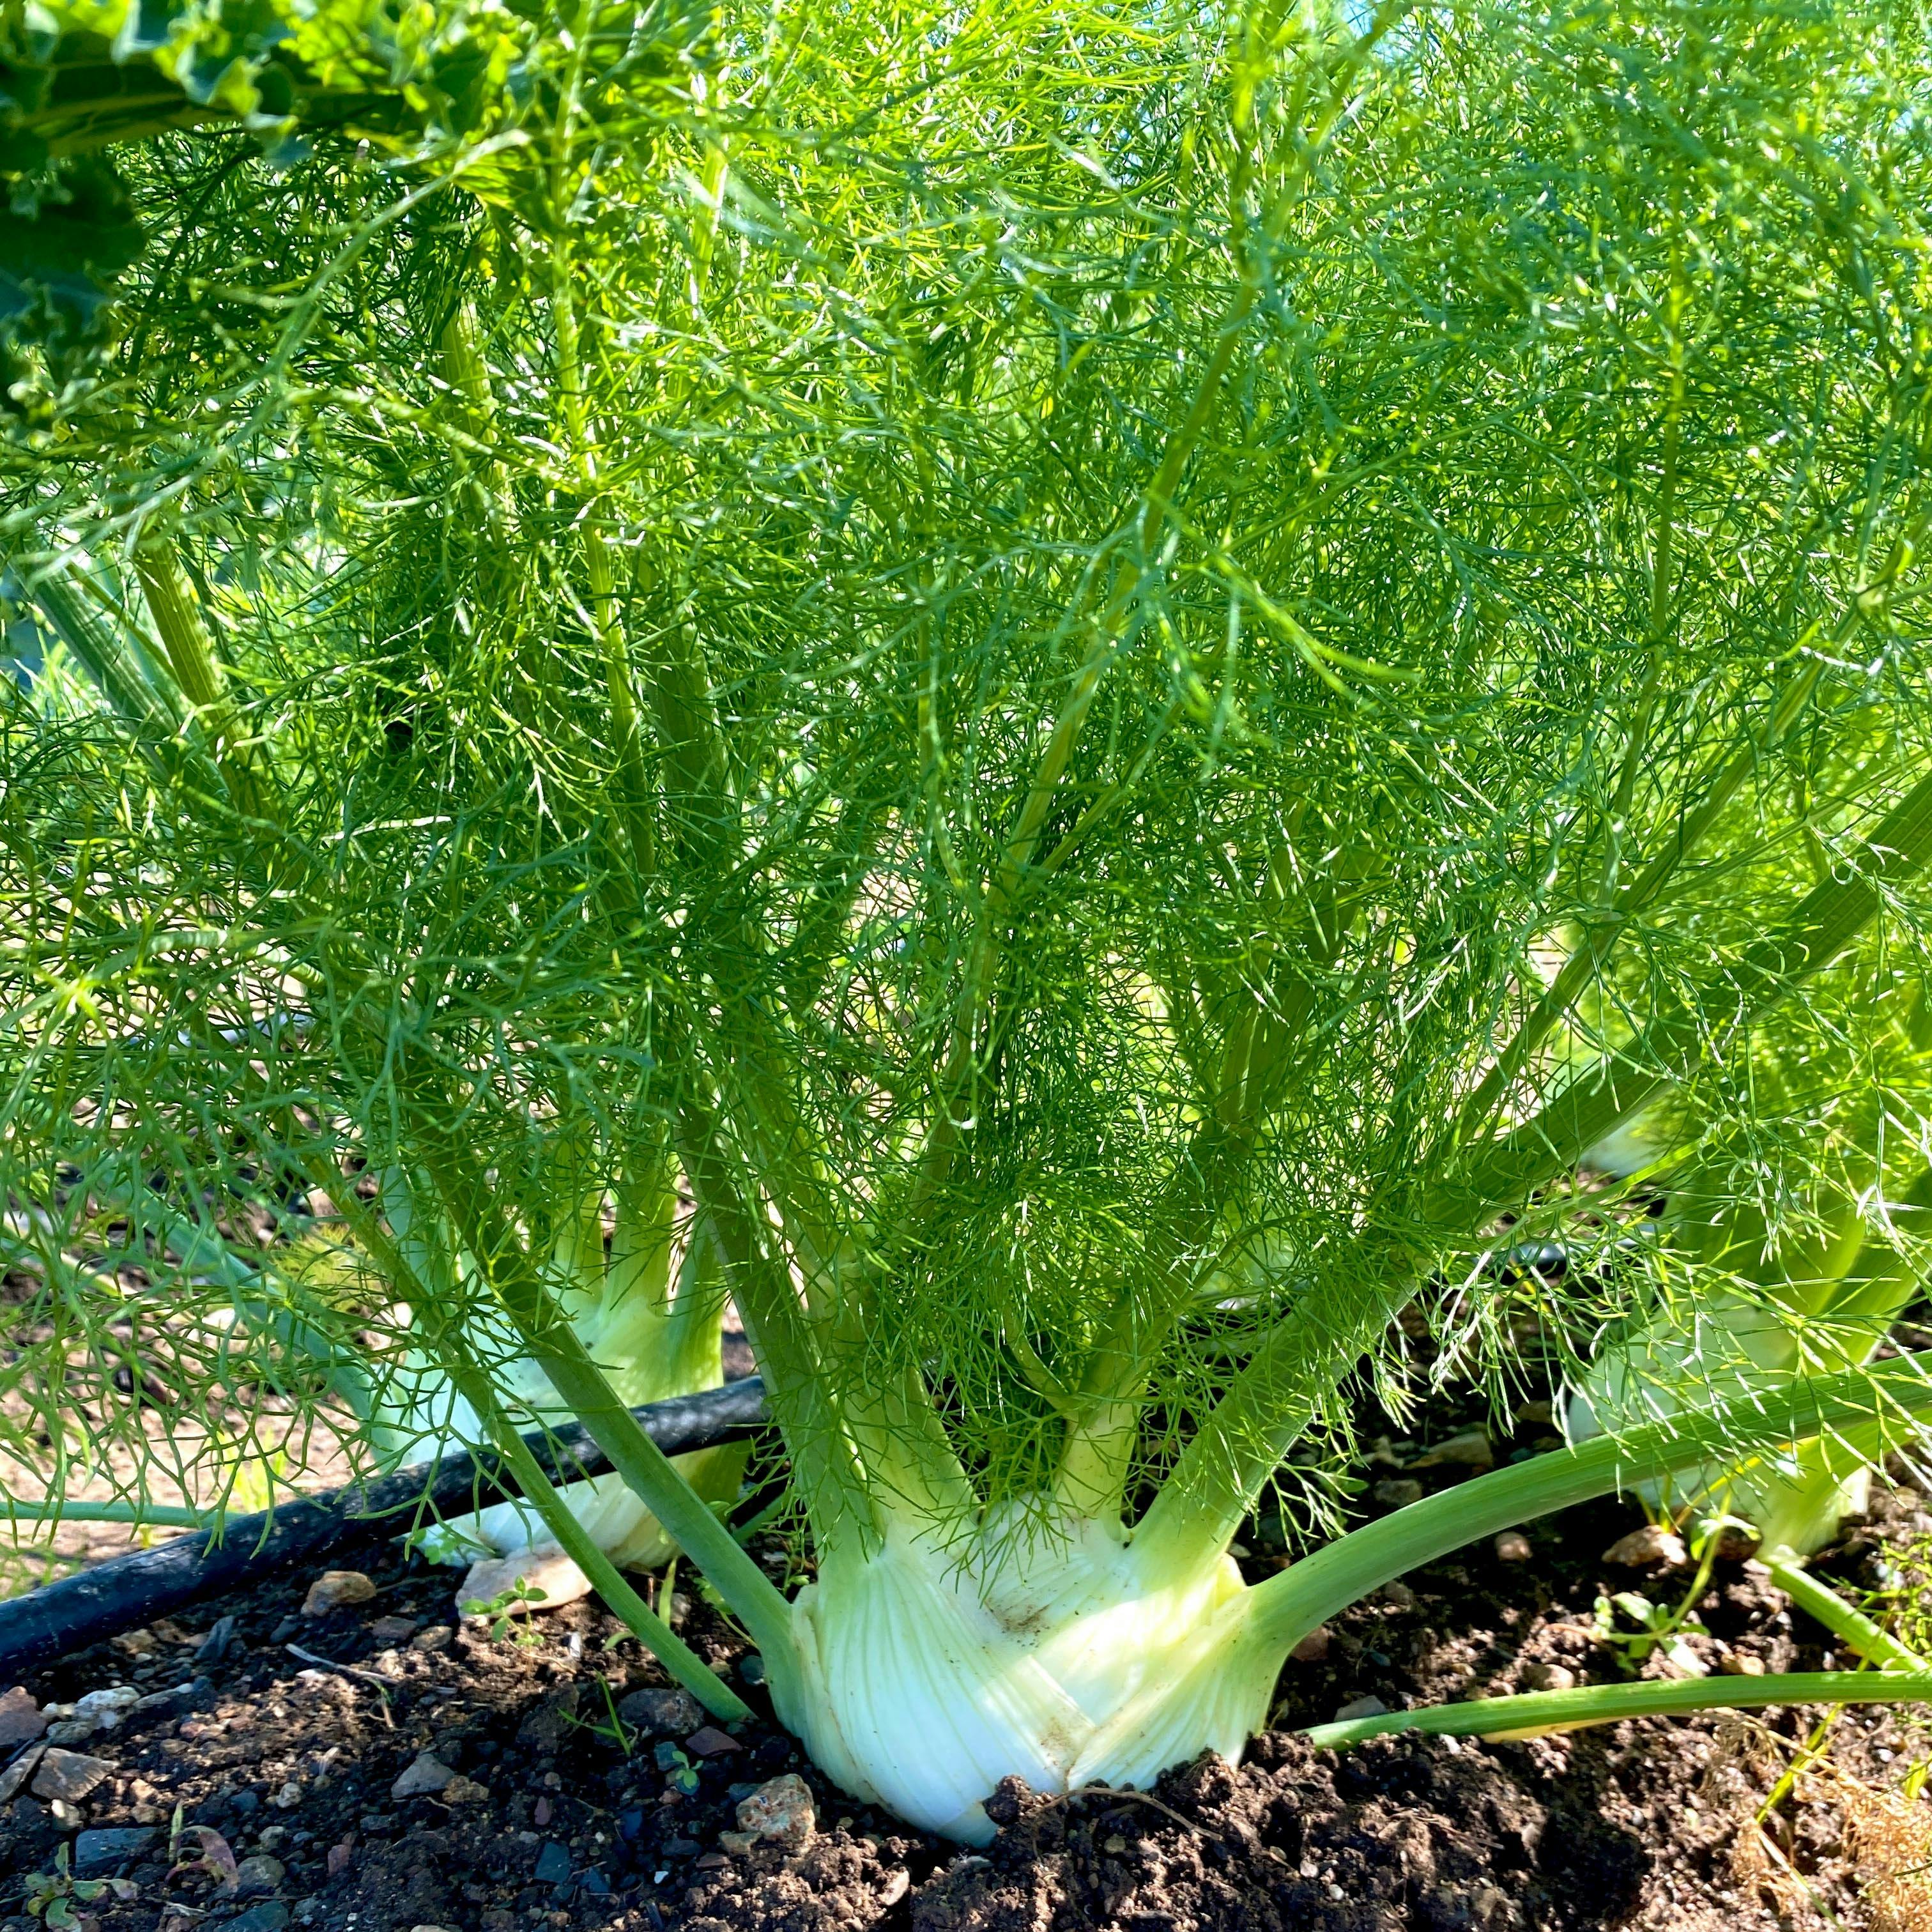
[(1116, 682), (1654, 1626), (51, 1896), (680, 1773), (502, 1611)]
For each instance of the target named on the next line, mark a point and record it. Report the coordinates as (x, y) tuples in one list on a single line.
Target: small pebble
[(1397, 1491), (217, 1644), (1512, 1546), (339, 1858), (1361, 1707), (1470, 1450), (553, 1864), (21, 1719), (1549, 1677), (271, 1915), (394, 1630), (17, 1773), (437, 1637), (335, 1590), (427, 1776), (1314, 1647), (258, 1874), (661, 1714), (780, 1812), (1655, 1543), (107, 1708), (1739, 1663), (709, 1741), (98, 1854), (69, 1776)]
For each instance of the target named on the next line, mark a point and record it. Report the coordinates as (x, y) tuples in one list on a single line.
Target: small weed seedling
[(502, 1610), (51, 1896)]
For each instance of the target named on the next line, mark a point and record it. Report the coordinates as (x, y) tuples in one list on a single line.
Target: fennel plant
[(1116, 678)]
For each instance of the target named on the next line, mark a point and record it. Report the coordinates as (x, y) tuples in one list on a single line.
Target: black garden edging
[(126, 1590)]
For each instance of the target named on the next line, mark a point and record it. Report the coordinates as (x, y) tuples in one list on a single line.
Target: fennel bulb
[(1825, 1302), (926, 1673), (1721, 1354), (652, 1342)]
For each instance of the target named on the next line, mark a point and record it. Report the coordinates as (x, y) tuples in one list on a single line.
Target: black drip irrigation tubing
[(127, 1591)]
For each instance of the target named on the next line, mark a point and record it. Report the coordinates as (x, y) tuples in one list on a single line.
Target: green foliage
[(503, 1609), (1128, 672), (650, 663), (52, 1896)]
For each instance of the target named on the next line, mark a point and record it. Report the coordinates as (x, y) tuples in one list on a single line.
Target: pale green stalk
[(1542, 1713), (1847, 1622), (1286, 1607)]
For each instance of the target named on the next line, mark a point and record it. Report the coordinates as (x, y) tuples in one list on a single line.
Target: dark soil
[(1631, 1826)]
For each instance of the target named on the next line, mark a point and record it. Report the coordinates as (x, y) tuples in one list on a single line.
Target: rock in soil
[(1313, 1648), (68, 1775), (1361, 1707), (21, 1720), (779, 1813), (13, 1779), (1652, 1546), (261, 1873), (271, 1916), (98, 1854), (549, 1580), (1627, 1829), (423, 1778), (1469, 1449), (662, 1713), (220, 1640), (336, 1590)]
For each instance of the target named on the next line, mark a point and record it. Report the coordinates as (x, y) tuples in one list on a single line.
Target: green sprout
[(501, 1610), (51, 1896)]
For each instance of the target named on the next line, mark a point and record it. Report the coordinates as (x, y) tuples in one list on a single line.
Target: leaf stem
[(650, 1630), (1537, 1713), (1845, 1620), (1292, 1604)]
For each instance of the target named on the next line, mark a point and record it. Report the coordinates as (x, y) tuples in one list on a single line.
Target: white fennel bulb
[(1818, 1304), (652, 1342), (929, 1672), (1732, 1348)]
